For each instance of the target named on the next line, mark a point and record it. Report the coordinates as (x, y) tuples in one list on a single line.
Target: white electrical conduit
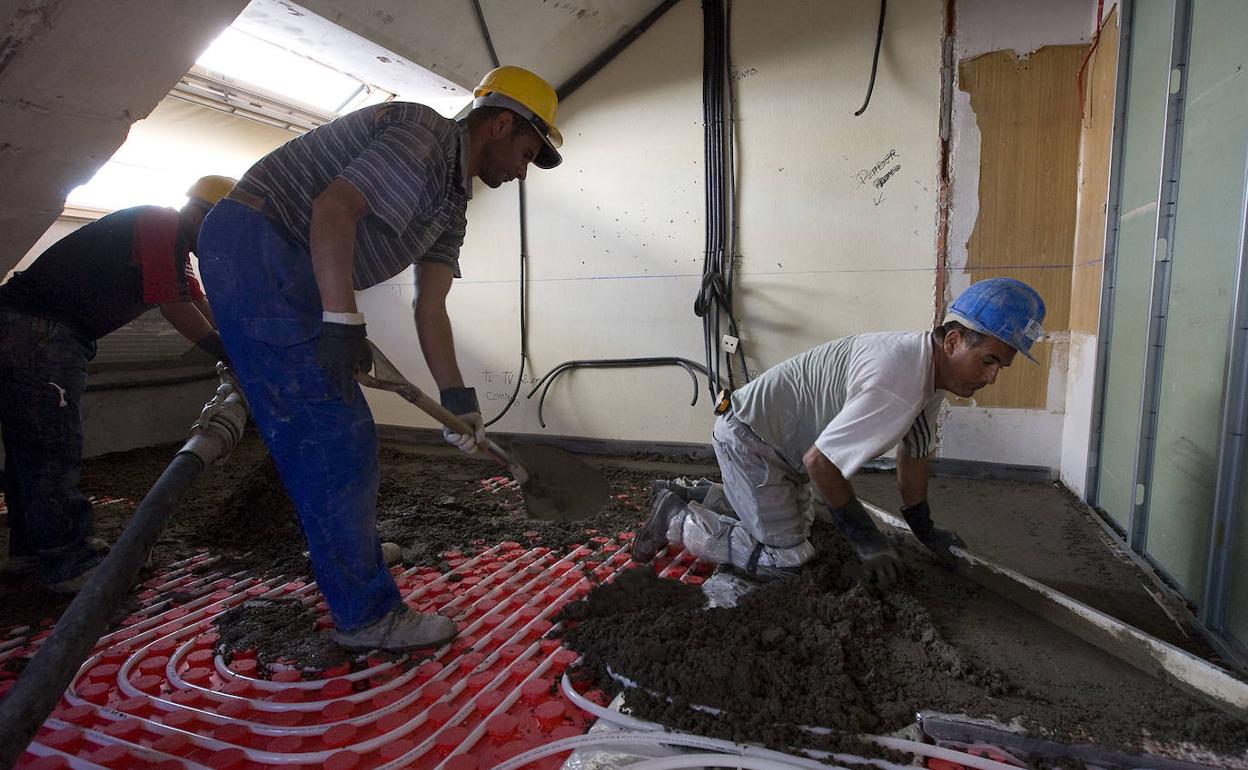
[(623, 720), (715, 760), (897, 744), (735, 751)]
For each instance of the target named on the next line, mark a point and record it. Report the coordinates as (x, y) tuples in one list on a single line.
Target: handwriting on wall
[(879, 174), (742, 74)]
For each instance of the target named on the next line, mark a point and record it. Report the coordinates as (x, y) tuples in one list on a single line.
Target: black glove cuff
[(919, 517), (343, 331), (212, 345), (460, 400)]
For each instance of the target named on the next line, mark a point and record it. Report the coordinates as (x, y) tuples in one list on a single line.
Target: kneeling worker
[(823, 414)]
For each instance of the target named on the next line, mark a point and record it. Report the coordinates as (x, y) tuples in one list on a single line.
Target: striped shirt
[(854, 398), (408, 162)]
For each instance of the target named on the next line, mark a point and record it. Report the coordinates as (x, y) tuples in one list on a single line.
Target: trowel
[(557, 485)]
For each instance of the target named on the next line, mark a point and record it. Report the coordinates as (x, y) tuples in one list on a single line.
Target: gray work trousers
[(759, 517)]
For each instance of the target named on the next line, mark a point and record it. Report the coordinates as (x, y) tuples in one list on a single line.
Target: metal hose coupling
[(220, 425)]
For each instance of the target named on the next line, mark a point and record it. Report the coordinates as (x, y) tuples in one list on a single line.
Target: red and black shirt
[(105, 274)]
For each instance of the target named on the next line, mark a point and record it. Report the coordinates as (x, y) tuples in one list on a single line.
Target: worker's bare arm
[(335, 213), (912, 475), (433, 324), (201, 304), (187, 319), (833, 487)]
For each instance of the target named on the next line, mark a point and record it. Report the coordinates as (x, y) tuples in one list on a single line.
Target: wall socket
[(730, 343)]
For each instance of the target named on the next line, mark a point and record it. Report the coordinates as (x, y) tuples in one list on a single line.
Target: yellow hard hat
[(530, 97), (211, 189)]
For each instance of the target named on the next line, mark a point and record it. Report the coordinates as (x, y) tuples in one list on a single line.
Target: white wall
[(617, 231), (981, 26)]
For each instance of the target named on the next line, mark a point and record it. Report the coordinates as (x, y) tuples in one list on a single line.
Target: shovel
[(557, 486)]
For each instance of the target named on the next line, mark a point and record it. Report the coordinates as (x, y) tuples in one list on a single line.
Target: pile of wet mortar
[(820, 649)]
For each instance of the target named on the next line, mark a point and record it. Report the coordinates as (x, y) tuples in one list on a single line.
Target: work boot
[(401, 630), (15, 567), (685, 488), (880, 564), (72, 585), (652, 537)]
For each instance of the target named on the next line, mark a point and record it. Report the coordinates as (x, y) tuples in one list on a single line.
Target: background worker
[(823, 414), (91, 282), (342, 208)]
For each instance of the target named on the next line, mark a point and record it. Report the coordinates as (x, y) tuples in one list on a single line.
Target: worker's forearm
[(912, 477), (333, 251), (437, 342), (186, 318), (201, 304), (833, 487)]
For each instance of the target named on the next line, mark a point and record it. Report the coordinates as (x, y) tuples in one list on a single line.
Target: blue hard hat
[(1004, 308)]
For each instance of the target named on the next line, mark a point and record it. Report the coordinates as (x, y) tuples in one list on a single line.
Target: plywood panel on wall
[(1027, 111), (1100, 80)]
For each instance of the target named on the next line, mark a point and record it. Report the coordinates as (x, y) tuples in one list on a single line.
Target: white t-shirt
[(854, 398)]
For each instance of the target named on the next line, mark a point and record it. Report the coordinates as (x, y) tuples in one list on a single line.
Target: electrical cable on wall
[(716, 298), (714, 301), (524, 245), (875, 60)]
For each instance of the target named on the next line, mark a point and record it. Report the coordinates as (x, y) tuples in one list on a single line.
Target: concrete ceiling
[(554, 38)]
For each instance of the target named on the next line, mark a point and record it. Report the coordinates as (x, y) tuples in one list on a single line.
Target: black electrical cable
[(524, 246), (485, 32), (548, 379), (713, 303), (875, 60), (731, 163)]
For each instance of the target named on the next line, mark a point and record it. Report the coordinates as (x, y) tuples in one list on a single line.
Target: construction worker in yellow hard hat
[(339, 209), (91, 282), (531, 98)]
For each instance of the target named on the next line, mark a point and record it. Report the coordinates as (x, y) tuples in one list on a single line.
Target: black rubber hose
[(80, 626), (875, 60)]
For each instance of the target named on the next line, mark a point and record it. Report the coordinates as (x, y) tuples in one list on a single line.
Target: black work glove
[(211, 344), (342, 351), (937, 540), (880, 565)]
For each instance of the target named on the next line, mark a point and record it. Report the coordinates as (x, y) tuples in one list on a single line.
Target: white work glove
[(462, 402)]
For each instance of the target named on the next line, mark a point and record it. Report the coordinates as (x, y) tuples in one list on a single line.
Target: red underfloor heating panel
[(155, 694)]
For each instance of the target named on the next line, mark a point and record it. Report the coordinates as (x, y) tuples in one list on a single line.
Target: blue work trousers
[(43, 374), (268, 309)]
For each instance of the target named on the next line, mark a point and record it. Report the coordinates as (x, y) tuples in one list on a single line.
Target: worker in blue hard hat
[(818, 417)]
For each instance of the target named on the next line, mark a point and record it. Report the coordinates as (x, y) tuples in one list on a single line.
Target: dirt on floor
[(430, 501), (823, 650), (817, 650)]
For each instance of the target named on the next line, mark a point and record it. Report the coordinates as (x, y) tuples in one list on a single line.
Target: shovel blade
[(561, 486)]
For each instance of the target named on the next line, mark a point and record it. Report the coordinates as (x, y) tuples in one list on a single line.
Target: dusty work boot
[(15, 567), (685, 488), (402, 629), (652, 537), (71, 585), (880, 565)]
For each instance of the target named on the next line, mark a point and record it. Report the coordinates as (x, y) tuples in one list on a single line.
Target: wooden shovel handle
[(421, 401)]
